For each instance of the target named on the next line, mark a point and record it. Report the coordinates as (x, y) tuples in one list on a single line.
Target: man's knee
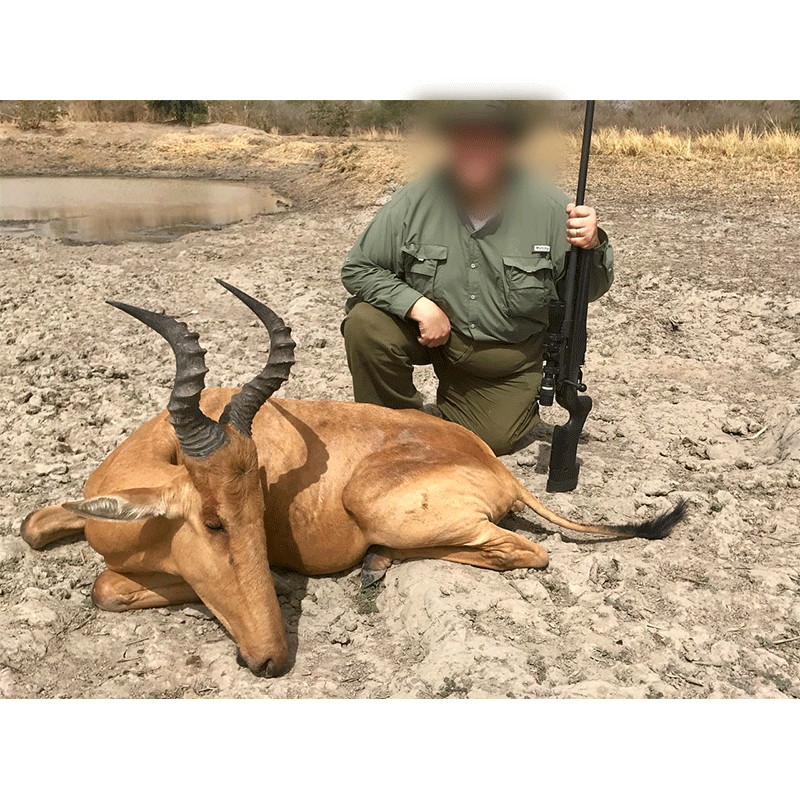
[(501, 442), (502, 432), (508, 439), (366, 327)]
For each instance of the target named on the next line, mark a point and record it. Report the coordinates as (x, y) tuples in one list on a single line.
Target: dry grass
[(774, 144), (374, 134), (182, 144)]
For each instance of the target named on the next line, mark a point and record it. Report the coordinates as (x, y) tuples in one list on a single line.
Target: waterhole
[(111, 210)]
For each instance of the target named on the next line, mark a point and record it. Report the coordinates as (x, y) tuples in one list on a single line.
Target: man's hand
[(434, 326), (582, 226)]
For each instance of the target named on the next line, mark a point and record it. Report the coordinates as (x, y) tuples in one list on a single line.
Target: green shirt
[(495, 283)]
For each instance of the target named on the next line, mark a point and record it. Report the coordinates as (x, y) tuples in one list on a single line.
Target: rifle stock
[(564, 466)]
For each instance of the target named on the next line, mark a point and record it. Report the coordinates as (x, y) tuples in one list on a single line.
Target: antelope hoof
[(369, 577), (374, 568)]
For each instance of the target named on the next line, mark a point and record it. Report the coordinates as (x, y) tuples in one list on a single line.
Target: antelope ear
[(126, 505)]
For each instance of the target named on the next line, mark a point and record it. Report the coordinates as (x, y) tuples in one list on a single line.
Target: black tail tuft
[(660, 526)]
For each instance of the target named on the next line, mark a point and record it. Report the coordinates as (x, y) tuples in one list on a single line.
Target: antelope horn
[(198, 435), (243, 407)]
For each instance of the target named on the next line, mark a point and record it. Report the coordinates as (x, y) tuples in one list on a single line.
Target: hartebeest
[(202, 499)]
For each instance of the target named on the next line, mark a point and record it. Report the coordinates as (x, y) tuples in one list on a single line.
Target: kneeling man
[(457, 270)]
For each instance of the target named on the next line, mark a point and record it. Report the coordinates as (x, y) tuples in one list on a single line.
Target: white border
[(411, 749), (373, 50)]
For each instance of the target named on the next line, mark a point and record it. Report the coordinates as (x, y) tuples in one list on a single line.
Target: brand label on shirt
[(541, 248)]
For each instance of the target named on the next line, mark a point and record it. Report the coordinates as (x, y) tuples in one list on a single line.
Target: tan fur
[(317, 485)]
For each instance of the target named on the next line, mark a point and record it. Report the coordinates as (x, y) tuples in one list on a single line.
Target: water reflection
[(125, 209)]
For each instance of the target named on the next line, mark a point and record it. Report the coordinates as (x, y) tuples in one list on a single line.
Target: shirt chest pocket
[(529, 285), (420, 264)]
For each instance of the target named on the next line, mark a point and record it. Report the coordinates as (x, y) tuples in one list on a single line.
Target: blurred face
[(478, 156)]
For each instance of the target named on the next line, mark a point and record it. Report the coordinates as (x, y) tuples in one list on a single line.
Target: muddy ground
[(693, 366)]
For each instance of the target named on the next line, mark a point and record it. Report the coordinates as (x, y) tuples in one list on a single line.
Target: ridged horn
[(199, 436), (243, 407)]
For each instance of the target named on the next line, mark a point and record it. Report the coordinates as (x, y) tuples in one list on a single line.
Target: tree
[(795, 122), (184, 112), (331, 116), (30, 114)]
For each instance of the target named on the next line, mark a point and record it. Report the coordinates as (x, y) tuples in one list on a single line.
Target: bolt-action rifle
[(565, 347)]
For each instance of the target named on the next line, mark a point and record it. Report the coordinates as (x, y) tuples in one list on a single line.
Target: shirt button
[(472, 297), (472, 324), (473, 266)]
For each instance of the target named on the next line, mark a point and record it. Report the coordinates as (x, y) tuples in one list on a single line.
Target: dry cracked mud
[(693, 366)]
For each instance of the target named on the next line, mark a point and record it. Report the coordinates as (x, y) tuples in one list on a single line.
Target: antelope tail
[(657, 528)]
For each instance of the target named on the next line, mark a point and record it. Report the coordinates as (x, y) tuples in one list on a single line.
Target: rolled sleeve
[(602, 267), (602, 260)]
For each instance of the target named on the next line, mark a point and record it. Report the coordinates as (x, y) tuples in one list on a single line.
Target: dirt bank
[(313, 171), (693, 366)]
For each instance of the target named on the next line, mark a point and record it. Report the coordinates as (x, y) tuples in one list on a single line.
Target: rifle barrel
[(588, 120)]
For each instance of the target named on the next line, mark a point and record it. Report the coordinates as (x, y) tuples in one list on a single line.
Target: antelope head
[(205, 523)]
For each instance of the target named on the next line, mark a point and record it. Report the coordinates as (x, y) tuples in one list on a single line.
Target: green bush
[(29, 115), (332, 117), (184, 112), (385, 114)]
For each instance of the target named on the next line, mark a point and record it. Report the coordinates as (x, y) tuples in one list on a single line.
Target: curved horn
[(198, 435), (243, 407)]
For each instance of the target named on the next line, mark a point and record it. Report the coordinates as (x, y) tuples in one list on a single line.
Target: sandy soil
[(693, 365)]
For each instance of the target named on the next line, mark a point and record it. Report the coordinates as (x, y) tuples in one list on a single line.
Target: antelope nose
[(261, 668)]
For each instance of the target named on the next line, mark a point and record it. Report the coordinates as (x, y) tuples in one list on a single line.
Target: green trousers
[(489, 388)]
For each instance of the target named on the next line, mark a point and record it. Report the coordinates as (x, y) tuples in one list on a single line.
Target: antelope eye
[(215, 525)]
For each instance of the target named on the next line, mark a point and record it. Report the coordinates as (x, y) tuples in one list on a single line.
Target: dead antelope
[(202, 499)]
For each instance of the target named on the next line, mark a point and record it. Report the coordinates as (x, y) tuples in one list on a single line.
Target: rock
[(725, 451), (723, 498), (737, 426), (793, 308), (340, 636), (724, 653), (532, 590), (656, 488), (603, 620), (691, 652), (7, 683), (35, 613), (11, 549), (605, 570), (26, 356), (776, 363), (50, 469), (200, 613)]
